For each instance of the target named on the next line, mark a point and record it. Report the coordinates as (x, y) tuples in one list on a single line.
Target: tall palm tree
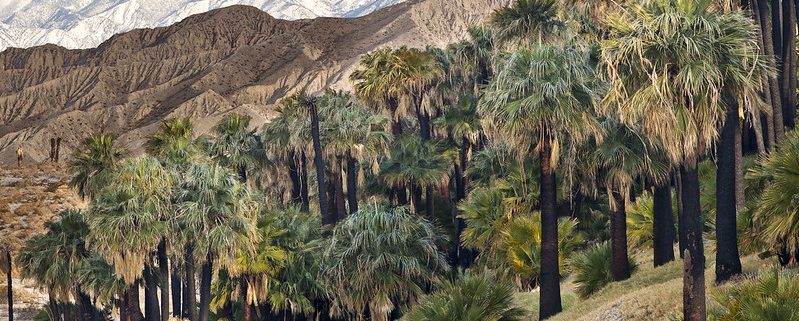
[(54, 258), (93, 163), (351, 134), (379, 260), (655, 82), (462, 124), (127, 222), (9, 243), (621, 158), (541, 98), (418, 163), (287, 137), (216, 215), (235, 146), (417, 71), (174, 145), (254, 272)]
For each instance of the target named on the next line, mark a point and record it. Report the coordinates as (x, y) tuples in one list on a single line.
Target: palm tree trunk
[(417, 198), (765, 22), (728, 262), (663, 226), (10, 287), (620, 268), (205, 287), (341, 206), (550, 303), (776, 31), (85, 306), (52, 305), (429, 205), (681, 238), (304, 181), (424, 120), (190, 290), (177, 295), (694, 306), (123, 309), (163, 273), (151, 304), (320, 166), (352, 183), (789, 63), (294, 176), (402, 195), (249, 309), (132, 304)]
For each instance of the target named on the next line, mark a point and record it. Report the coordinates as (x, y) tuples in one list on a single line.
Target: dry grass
[(650, 294)]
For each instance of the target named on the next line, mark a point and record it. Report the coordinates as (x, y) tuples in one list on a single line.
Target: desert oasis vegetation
[(421, 160)]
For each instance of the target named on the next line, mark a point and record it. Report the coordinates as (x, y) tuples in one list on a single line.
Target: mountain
[(86, 23), (234, 59)]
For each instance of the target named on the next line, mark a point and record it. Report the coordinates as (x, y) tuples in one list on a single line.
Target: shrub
[(472, 297), (770, 296), (591, 269)]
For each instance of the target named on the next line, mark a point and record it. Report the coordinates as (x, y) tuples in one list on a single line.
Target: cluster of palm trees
[(495, 152)]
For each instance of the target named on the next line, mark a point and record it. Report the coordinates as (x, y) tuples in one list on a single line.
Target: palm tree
[(9, 242), (174, 145), (775, 208), (297, 289), (235, 146), (655, 82), (351, 134), (417, 163), (471, 297), (254, 272), (541, 98), (379, 260), (463, 129), (93, 164), (287, 137), (216, 216), (127, 222), (621, 158), (173, 142), (54, 258), (526, 21), (508, 236)]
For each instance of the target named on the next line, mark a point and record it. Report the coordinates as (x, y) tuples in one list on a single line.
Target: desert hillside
[(236, 59)]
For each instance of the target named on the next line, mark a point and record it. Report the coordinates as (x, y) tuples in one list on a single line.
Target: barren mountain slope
[(232, 59)]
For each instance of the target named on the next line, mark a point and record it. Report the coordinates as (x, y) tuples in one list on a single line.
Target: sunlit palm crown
[(670, 63), (542, 92)]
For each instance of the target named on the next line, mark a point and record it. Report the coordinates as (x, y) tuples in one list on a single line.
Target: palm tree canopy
[(290, 130), (401, 75), (415, 161), (53, 258), (525, 20), (174, 142), (623, 156), (234, 145), (93, 163), (777, 208), (471, 297), (670, 63), (380, 257), (349, 128), (132, 215), (542, 92), (215, 212)]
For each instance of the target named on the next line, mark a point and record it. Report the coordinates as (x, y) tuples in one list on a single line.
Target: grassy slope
[(650, 294)]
